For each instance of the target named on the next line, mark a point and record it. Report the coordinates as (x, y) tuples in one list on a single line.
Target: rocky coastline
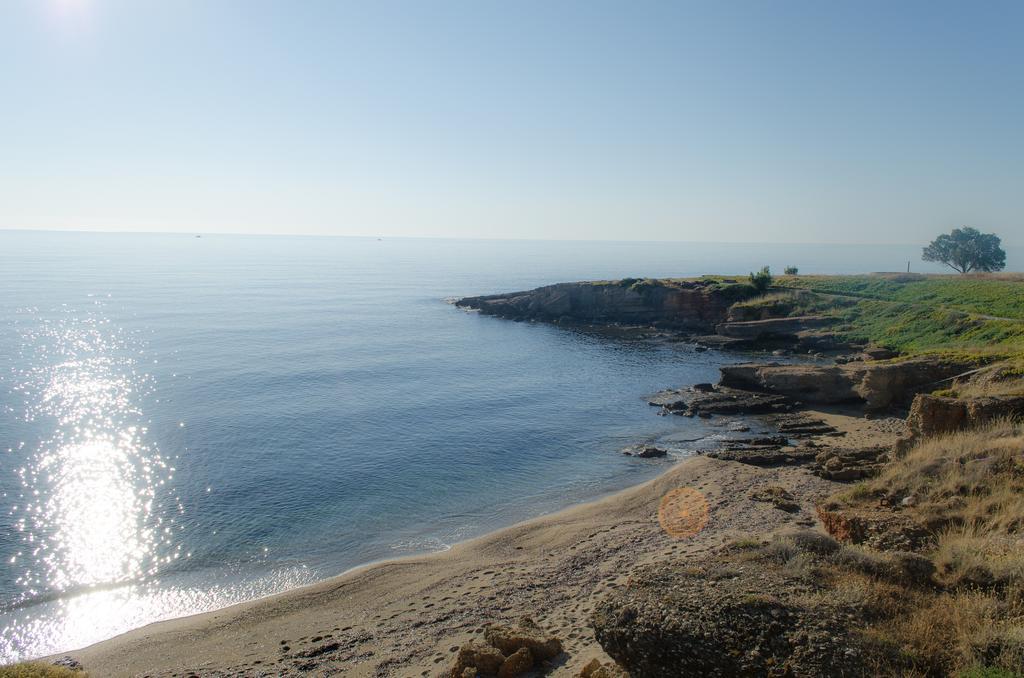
[(690, 618), (802, 541)]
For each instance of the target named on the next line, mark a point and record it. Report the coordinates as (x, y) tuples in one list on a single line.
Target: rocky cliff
[(875, 384), (697, 306), (932, 415)]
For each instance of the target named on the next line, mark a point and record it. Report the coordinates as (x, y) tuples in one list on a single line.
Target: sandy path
[(405, 617)]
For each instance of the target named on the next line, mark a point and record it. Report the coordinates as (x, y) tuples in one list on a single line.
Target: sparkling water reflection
[(95, 516), (86, 517), (319, 404)]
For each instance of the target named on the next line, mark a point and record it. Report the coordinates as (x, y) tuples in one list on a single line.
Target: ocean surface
[(187, 422)]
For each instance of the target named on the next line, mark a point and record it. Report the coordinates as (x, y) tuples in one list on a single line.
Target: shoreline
[(405, 616), (315, 588)]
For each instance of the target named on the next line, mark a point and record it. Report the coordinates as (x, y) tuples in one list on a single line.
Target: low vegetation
[(975, 316), (761, 280), (39, 670), (965, 494)]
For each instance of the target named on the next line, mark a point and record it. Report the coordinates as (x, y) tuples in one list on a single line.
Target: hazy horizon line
[(381, 236)]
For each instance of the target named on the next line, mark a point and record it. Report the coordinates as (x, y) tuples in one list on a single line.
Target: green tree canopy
[(967, 249)]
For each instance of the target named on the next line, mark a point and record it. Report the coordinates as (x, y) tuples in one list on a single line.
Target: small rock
[(527, 635), (595, 669), (478, 657), (645, 451), (68, 662), (518, 662), (778, 497)]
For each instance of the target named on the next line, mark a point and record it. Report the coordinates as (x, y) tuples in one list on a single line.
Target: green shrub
[(792, 270), (761, 280)]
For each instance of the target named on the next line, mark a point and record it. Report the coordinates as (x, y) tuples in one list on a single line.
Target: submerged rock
[(645, 451)]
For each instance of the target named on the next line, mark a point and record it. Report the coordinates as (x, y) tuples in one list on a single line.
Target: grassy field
[(993, 295), (971, 316)]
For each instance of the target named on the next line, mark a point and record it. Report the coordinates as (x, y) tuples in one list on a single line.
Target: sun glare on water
[(97, 545), (86, 516)]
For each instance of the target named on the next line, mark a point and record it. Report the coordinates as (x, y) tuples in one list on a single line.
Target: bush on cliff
[(761, 280)]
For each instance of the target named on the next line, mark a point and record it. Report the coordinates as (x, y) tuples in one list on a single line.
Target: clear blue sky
[(782, 121)]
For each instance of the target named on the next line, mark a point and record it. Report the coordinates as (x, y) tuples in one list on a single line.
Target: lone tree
[(967, 249)]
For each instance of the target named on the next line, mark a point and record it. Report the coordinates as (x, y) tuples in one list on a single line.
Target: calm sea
[(187, 423)]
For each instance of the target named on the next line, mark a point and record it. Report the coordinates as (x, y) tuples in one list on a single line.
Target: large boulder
[(483, 659), (809, 383), (511, 639), (507, 651), (877, 385), (934, 415)]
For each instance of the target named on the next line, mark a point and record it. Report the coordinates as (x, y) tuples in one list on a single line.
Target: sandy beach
[(406, 617)]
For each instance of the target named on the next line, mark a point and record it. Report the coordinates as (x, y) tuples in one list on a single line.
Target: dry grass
[(39, 670), (950, 633), (968, 490), (973, 478), (1005, 378)]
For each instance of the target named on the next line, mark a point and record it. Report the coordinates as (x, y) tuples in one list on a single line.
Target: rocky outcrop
[(718, 400), (772, 328), (880, 528), (802, 426), (644, 451), (778, 497), (764, 456), (507, 651), (934, 415), (850, 463), (690, 305), (730, 616), (877, 385)]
